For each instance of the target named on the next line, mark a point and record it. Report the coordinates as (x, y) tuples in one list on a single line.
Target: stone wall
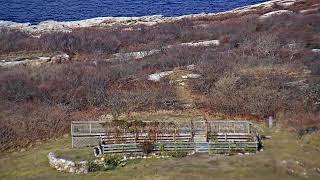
[(64, 165)]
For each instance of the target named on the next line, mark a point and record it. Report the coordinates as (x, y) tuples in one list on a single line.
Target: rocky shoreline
[(68, 26)]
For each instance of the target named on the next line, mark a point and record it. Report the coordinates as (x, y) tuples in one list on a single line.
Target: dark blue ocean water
[(35, 11)]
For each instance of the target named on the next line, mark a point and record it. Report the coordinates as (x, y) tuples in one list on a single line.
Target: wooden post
[(135, 137), (72, 135), (192, 131), (270, 122), (90, 128), (174, 134), (71, 130), (124, 136), (206, 122), (72, 142)]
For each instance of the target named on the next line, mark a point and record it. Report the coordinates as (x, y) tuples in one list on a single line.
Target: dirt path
[(183, 90)]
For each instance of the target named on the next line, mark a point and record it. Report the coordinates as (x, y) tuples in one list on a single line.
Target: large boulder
[(60, 58), (315, 50)]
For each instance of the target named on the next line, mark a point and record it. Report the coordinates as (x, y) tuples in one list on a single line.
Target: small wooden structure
[(87, 133), (199, 136)]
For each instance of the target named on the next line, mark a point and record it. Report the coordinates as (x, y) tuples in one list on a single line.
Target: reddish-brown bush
[(300, 122), (24, 123)]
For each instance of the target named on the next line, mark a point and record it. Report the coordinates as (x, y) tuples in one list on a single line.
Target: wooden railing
[(231, 137), (209, 147), (133, 138)]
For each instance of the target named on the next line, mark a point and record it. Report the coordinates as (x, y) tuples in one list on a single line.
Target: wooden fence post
[(192, 131), (72, 145), (207, 131), (270, 122), (135, 137)]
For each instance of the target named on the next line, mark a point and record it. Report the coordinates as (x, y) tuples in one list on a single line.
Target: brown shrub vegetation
[(302, 123), (237, 78), (24, 123)]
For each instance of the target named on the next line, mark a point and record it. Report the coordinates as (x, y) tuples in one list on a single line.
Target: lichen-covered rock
[(157, 76), (309, 11), (135, 55), (274, 13), (316, 50), (61, 58), (191, 76), (202, 43)]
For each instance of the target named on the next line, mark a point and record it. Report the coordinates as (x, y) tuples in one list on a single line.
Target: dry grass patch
[(261, 72)]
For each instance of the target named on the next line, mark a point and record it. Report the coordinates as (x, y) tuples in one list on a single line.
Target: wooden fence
[(205, 147), (210, 134)]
